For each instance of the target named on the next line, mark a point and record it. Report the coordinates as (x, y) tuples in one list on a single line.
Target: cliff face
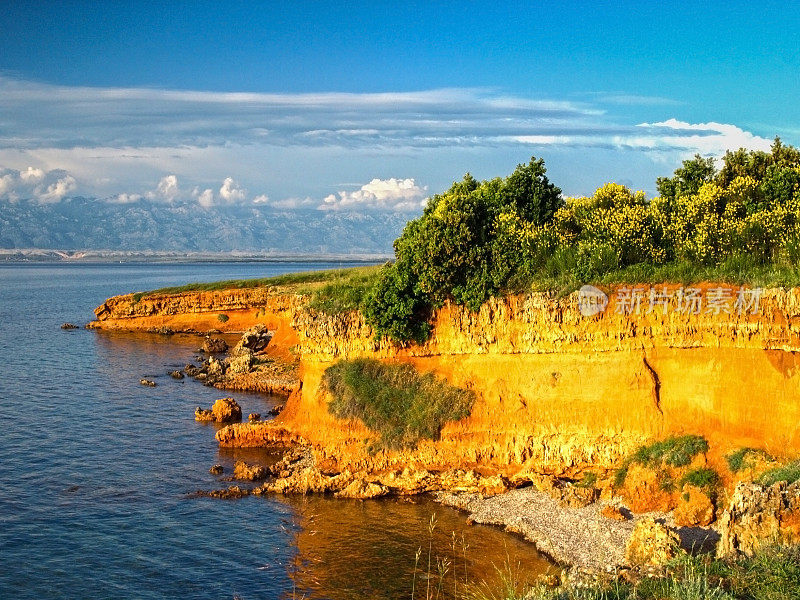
[(556, 391), (202, 312)]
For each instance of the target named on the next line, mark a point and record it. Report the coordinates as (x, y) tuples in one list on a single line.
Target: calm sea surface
[(95, 469)]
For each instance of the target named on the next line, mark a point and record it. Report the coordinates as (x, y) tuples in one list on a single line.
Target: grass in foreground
[(397, 401), (772, 574)]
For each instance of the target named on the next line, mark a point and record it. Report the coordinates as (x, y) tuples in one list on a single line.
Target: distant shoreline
[(35, 255)]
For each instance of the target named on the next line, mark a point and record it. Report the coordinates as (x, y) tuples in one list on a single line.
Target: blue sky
[(364, 105)]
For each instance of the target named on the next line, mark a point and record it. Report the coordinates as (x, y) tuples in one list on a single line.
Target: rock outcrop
[(759, 514), (224, 410), (214, 345), (651, 543)]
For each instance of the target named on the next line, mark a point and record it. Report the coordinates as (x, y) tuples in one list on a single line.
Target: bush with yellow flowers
[(481, 239)]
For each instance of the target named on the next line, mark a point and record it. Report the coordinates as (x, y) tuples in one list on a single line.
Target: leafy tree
[(688, 178), (449, 252)]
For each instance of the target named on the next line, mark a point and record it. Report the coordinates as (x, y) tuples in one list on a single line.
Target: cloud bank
[(287, 150)]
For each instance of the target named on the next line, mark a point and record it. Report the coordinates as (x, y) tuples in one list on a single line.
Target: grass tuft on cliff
[(744, 458), (403, 405), (676, 451), (789, 473)]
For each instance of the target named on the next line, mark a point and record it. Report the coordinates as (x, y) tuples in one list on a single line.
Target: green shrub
[(222, 318), (674, 451), (789, 473), (737, 461), (703, 478), (397, 401)]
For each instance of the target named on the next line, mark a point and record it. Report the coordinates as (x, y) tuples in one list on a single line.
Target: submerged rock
[(216, 470), (214, 345), (69, 326), (147, 382), (176, 374), (226, 410), (241, 470)]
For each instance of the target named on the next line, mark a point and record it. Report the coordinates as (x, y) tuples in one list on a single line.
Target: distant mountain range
[(76, 224)]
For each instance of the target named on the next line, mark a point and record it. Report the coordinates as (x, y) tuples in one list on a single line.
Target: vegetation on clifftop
[(397, 401), (480, 239), (738, 225)]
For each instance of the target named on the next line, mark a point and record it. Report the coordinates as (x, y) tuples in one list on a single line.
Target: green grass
[(789, 473), (773, 573), (738, 460), (703, 478), (401, 404), (286, 280), (344, 294), (675, 451)]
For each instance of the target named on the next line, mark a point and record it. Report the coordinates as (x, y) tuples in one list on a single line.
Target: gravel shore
[(579, 537)]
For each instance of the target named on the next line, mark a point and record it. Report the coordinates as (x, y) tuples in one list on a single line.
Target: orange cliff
[(556, 391)]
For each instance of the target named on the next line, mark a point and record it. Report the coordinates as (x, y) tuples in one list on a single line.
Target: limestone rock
[(215, 369), (214, 345), (651, 543), (253, 417), (240, 364), (147, 382), (216, 470), (573, 496), (361, 489), (644, 490), (176, 374), (202, 414), (618, 513), (694, 508), (241, 470), (759, 514), (255, 339), (226, 410)]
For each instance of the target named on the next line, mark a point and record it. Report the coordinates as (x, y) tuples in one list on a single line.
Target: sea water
[(97, 471)]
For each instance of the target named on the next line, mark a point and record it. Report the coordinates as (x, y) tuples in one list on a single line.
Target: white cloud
[(35, 183), (204, 198), (167, 189), (57, 190), (391, 194), (706, 138), (31, 175), (231, 192), (125, 198), (261, 199)]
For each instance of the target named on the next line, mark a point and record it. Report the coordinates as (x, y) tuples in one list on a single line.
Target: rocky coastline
[(556, 483)]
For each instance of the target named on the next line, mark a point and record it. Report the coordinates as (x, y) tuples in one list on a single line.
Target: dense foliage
[(481, 239), (397, 401)]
